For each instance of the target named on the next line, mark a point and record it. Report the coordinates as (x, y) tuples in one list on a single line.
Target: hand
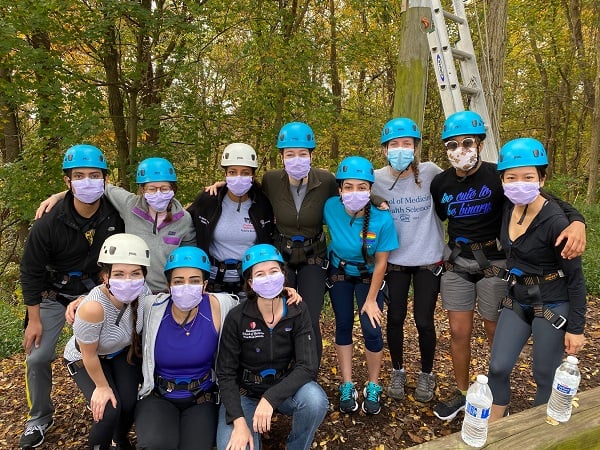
[(383, 206), (574, 343), (261, 422), (240, 436), (576, 240), (72, 308), (293, 298), (371, 309), (33, 335), (212, 189), (100, 397), (46, 206)]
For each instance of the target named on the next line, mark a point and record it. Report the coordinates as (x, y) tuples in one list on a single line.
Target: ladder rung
[(469, 91), (453, 17), (460, 54)]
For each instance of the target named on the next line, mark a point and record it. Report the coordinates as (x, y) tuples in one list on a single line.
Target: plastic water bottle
[(564, 387), (477, 412)]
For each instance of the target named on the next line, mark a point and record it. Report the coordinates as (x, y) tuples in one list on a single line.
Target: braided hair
[(365, 231)]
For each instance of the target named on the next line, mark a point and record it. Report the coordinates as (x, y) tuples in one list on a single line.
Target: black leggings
[(163, 424), (426, 287), (123, 378), (309, 281)]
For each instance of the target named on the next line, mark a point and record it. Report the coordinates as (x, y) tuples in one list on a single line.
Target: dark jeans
[(123, 378), (175, 424), (426, 287)]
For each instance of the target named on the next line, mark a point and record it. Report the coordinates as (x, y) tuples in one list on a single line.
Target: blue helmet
[(259, 253), (398, 128), (355, 167), (155, 169), (296, 135), (522, 152), (193, 257), (463, 123), (84, 155)]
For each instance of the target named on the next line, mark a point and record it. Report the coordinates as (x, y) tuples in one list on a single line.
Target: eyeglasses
[(465, 143), (154, 189)]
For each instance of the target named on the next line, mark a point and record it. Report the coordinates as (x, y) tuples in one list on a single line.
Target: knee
[(313, 400), (343, 333), (374, 341), (39, 358)]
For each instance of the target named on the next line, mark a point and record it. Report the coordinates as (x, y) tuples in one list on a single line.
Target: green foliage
[(11, 329), (591, 256)]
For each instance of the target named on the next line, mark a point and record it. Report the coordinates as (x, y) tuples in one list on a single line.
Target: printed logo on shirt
[(371, 237), (253, 333), (247, 226), (469, 203)]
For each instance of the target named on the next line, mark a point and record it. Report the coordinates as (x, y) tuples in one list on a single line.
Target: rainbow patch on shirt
[(371, 237)]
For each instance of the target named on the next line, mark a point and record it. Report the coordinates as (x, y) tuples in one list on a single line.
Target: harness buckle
[(382, 285), (560, 322), (438, 270), (505, 275), (297, 238), (73, 368)]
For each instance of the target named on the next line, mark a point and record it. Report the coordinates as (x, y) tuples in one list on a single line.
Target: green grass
[(591, 256), (11, 329)]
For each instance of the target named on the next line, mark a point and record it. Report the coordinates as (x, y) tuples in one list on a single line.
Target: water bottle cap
[(572, 360), (482, 379)]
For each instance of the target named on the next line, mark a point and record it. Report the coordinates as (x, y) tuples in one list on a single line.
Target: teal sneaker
[(372, 393), (348, 396)]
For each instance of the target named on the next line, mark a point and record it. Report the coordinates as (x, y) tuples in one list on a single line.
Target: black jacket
[(62, 242), (534, 253), (206, 211), (248, 343)]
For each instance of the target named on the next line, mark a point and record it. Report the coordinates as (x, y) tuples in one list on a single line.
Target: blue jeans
[(307, 407)]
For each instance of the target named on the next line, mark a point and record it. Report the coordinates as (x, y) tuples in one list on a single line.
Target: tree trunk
[(336, 85), (110, 60), (11, 136), (592, 191), (413, 61), (492, 72)]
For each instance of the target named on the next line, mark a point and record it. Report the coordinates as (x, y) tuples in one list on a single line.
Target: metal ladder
[(452, 89)]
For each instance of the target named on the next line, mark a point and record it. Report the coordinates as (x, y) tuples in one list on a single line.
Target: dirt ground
[(401, 424)]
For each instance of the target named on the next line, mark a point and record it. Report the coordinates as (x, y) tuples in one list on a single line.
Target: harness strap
[(218, 285), (162, 384), (533, 280), (437, 268), (268, 376), (475, 247), (558, 321)]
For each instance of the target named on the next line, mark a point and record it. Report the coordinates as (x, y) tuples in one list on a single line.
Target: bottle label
[(564, 389), (478, 413)]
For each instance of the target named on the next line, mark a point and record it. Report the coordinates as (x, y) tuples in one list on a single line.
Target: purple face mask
[(159, 200), (269, 286), (186, 296), (126, 290), (297, 167), (356, 200), (88, 190), (239, 185), (521, 192)]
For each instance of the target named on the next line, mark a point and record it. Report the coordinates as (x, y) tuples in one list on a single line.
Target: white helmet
[(238, 154), (124, 248)]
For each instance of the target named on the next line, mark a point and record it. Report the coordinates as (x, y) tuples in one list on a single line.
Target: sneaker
[(425, 387), (348, 398), (372, 393), (33, 436), (397, 381), (449, 409)]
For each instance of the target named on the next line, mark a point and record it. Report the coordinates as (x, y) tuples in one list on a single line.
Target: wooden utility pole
[(413, 60)]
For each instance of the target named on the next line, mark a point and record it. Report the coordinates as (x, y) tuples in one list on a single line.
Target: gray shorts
[(459, 294)]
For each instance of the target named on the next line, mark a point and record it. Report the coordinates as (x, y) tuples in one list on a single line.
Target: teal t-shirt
[(346, 235)]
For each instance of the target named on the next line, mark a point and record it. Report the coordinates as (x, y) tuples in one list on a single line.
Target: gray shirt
[(420, 232)]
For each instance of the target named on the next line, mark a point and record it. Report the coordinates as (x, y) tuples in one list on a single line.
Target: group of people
[(198, 324)]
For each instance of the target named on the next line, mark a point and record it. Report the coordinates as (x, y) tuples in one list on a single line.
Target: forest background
[(182, 79)]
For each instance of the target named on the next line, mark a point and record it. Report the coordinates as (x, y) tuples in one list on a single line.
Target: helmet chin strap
[(398, 176)]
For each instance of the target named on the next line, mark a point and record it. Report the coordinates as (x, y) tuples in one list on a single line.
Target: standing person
[(179, 397), (154, 214), (404, 183), (298, 193), (238, 217), (470, 196), (361, 238), (546, 292), (58, 265), (267, 361), (103, 354)]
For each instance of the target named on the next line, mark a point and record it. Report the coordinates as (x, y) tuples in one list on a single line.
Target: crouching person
[(267, 361), (178, 409)]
